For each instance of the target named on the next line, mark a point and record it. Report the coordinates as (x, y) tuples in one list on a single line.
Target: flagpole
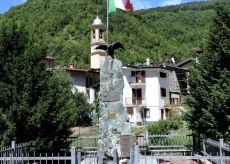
[(107, 30)]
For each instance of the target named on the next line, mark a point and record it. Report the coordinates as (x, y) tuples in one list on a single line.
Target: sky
[(137, 4)]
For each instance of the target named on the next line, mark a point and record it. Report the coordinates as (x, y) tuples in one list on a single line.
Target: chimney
[(147, 61), (173, 60), (71, 66)]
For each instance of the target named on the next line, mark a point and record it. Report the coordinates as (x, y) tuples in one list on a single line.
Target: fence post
[(204, 148), (100, 156), (146, 138), (221, 155), (73, 155), (136, 155), (13, 146), (131, 155), (78, 157), (115, 156)]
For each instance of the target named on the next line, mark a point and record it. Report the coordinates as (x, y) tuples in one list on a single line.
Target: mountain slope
[(65, 27)]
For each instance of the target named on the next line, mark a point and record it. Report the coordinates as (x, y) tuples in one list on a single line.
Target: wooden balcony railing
[(137, 79)]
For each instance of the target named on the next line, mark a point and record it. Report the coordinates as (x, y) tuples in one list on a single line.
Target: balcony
[(137, 80), (173, 104), (137, 101)]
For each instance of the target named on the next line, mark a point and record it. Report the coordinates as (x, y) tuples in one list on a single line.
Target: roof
[(73, 69), (155, 66), (186, 63), (97, 22)]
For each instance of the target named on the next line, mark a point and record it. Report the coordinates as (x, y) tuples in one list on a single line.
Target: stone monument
[(113, 120)]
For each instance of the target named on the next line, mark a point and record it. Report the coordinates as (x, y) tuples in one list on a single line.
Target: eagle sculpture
[(110, 48)]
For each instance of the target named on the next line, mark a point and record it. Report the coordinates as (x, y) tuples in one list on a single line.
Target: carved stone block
[(127, 143)]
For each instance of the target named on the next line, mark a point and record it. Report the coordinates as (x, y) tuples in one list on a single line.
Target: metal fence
[(13, 150), (182, 159), (165, 143), (67, 158), (158, 149)]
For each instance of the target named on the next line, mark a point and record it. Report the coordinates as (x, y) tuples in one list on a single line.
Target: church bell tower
[(97, 38)]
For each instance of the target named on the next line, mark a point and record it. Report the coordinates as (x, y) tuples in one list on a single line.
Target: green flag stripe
[(112, 7)]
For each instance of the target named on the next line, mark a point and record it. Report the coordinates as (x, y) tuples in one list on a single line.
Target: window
[(138, 76), (162, 114), (93, 34), (133, 73), (174, 98), (129, 110), (87, 81), (163, 92), (100, 34), (137, 96), (163, 75), (146, 113)]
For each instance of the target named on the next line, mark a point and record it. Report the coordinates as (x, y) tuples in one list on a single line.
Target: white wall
[(151, 92), (127, 91), (164, 83), (153, 95), (152, 88)]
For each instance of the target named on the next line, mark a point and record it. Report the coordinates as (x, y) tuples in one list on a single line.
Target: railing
[(155, 143), (212, 147), (180, 143), (137, 79), (14, 149), (181, 159), (39, 158), (129, 101)]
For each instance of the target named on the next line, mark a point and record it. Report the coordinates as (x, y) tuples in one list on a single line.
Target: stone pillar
[(113, 121)]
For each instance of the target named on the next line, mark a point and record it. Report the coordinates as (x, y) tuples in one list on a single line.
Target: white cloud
[(171, 2), (138, 5)]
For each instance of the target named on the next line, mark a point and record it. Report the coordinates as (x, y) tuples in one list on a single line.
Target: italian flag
[(121, 4)]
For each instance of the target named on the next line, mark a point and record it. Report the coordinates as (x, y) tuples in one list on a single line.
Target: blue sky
[(137, 4), (143, 4)]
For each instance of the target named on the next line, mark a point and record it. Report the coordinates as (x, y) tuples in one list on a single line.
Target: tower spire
[(97, 13), (97, 38)]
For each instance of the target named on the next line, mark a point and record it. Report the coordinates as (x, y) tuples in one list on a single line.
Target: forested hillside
[(159, 33)]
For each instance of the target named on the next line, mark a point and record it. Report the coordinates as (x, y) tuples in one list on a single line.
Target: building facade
[(150, 92)]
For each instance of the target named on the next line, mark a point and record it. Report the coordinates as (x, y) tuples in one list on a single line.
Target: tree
[(36, 106), (83, 109), (209, 99)]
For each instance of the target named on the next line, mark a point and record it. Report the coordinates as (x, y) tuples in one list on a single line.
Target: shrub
[(164, 126)]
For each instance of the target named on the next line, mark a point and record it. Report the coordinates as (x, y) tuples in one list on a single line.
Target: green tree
[(83, 109), (158, 34), (35, 105), (209, 101)]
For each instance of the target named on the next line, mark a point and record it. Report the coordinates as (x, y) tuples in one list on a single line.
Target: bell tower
[(97, 38)]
